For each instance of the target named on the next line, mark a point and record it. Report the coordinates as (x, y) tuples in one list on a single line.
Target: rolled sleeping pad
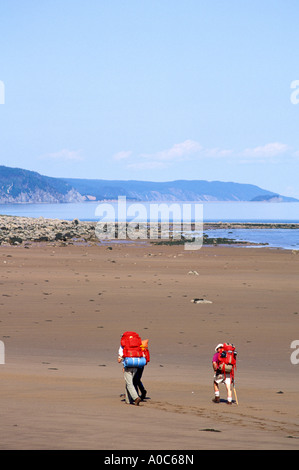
[(134, 361)]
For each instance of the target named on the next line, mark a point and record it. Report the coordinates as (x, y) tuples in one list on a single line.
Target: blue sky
[(152, 90)]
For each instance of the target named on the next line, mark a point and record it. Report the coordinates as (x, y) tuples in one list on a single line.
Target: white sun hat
[(220, 345)]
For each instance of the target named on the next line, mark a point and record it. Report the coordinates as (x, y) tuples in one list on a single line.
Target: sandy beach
[(64, 308)]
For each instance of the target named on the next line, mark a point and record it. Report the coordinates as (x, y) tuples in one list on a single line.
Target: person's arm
[(120, 355), (215, 361)]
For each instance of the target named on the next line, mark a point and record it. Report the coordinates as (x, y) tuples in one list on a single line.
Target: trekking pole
[(235, 394)]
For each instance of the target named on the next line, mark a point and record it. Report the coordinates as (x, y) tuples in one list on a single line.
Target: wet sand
[(64, 308)]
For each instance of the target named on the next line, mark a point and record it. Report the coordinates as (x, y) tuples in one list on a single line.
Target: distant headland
[(23, 186)]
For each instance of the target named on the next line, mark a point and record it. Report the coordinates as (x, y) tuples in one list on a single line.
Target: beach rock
[(15, 240), (60, 236), (42, 238), (201, 301)]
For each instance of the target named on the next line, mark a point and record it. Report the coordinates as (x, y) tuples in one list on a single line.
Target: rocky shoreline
[(16, 230), (25, 230)]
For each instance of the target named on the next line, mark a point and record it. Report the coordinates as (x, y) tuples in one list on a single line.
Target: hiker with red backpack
[(137, 377), (132, 356), (224, 364)]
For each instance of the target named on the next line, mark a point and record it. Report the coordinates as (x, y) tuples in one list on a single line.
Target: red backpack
[(227, 361), (131, 343)]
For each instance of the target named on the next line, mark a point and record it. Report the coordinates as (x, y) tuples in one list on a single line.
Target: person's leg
[(138, 384), (216, 391), (136, 380), (129, 376), (128, 398), (229, 390), (141, 386)]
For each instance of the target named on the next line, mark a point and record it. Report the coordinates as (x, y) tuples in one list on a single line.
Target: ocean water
[(287, 239), (212, 212)]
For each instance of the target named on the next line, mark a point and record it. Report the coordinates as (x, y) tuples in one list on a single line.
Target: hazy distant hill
[(181, 190), (19, 186)]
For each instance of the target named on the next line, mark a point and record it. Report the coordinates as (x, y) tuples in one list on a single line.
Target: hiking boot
[(216, 400), (137, 401), (143, 395), (229, 402)]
